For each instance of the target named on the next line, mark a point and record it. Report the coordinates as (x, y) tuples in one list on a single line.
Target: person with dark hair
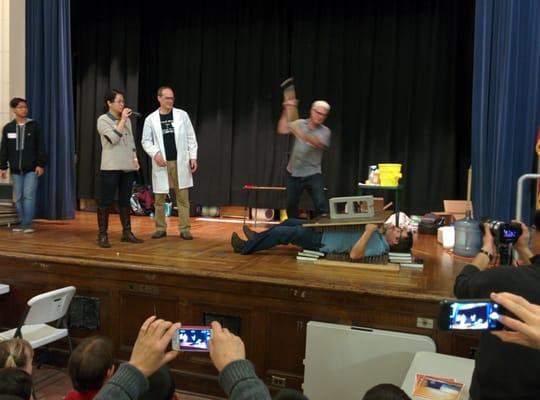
[(370, 240), (385, 391), (160, 386), (15, 382), (23, 150), (89, 367), (311, 139), (502, 370), (118, 165), (169, 139)]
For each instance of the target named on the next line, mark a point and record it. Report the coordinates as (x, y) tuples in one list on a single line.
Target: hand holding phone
[(471, 314), (192, 338)]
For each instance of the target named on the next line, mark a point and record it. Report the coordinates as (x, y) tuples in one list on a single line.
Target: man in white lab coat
[(169, 139)]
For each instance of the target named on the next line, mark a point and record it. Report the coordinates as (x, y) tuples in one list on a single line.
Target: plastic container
[(373, 177), (389, 174), (468, 240)]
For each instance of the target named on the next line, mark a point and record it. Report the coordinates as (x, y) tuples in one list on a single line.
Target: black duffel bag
[(430, 223)]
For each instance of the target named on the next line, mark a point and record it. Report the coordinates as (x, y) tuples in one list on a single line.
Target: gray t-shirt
[(305, 158)]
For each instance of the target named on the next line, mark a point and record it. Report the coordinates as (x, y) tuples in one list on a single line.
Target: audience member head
[(91, 364), (385, 391), (15, 382), (161, 386), (16, 353)]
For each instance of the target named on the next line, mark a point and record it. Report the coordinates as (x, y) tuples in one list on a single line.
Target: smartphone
[(192, 338), (474, 314)]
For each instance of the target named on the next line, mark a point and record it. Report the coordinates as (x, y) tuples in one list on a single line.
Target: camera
[(472, 314), (504, 233), (192, 338)]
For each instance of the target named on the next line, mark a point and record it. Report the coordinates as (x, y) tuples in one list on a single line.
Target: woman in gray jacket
[(118, 165)]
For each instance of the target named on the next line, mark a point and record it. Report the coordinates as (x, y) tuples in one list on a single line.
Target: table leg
[(255, 219), (397, 206)]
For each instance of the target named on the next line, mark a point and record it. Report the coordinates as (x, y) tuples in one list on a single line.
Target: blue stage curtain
[(506, 104), (50, 96)]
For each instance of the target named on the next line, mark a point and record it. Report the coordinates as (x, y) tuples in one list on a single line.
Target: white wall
[(12, 54)]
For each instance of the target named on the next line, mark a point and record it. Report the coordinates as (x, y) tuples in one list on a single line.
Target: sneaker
[(237, 243), (186, 235), (29, 230), (250, 234), (17, 230), (159, 234)]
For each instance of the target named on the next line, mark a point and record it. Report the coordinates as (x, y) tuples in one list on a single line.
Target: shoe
[(128, 236), (159, 234), (250, 234), (29, 230), (17, 230), (186, 235), (237, 243), (103, 225), (125, 219)]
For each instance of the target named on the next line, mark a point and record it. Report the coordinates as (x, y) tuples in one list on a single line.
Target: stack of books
[(437, 388), (405, 260), (309, 255)]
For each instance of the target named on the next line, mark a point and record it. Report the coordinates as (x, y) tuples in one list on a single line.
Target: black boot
[(125, 219), (103, 224)]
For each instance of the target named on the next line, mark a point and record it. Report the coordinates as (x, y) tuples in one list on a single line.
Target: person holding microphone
[(118, 164)]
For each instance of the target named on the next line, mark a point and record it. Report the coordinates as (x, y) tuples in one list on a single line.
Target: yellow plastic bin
[(389, 174)]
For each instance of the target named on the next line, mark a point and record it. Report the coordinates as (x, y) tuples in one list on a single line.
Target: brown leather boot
[(125, 219), (103, 225)]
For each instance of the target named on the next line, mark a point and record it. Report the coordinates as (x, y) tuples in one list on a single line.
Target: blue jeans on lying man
[(289, 231), (24, 189)]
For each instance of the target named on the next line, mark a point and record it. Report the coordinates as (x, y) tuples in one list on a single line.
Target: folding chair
[(42, 309)]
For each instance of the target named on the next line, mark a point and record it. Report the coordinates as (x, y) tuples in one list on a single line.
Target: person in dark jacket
[(502, 370), (22, 149)]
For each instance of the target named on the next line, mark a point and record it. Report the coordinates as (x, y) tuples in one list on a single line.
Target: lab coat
[(186, 148)]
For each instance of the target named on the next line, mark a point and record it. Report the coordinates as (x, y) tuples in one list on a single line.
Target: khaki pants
[(182, 201)]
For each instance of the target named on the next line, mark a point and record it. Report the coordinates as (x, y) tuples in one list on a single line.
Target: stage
[(267, 297)]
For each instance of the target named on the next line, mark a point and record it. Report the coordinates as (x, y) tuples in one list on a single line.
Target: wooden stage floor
[(210, 255)]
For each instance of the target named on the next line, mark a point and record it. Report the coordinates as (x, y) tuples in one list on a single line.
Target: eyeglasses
[(320, 113), (167, 98)]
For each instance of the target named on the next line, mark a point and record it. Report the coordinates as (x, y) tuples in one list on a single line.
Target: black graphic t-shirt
[(168, 135)]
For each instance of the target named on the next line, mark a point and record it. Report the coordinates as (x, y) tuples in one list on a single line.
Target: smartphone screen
[(192, 338), (478, 314)]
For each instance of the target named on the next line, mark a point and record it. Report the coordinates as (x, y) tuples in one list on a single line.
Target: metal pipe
[(519, 198)]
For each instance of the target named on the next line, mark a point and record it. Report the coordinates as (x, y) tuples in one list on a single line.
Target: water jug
[(468, 236)]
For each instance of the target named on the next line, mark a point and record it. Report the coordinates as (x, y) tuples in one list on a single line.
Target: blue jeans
[(24, 188), (289, 231), (315, 187)]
